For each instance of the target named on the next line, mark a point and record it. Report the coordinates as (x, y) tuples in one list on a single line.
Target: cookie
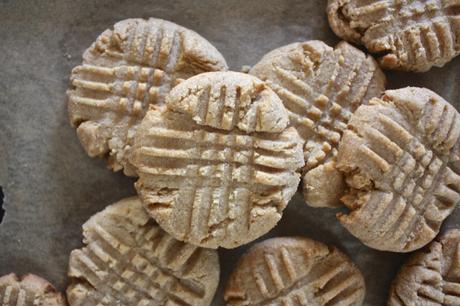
[(321, 87), (217, 165), (128, 260), (29, 290), (431, 276), (397, 155), (129, 67), (407, 35), (294, 271)]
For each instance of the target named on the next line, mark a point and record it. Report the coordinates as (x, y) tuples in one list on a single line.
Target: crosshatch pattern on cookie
[(204, 177), (128, 259), (321, 87), (431, 276), (29, 290), (294, 271), (397, 155), (410, 35), (127, 69)]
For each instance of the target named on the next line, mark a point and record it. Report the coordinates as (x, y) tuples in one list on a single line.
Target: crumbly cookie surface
[(29, 290), (321, 87), (128, 260), (409, 35), (431, 276), (294, 271), (129, 67), (398, 157), (217, 166)]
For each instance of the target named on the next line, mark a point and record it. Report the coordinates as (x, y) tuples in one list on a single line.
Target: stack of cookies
[(218, 155)]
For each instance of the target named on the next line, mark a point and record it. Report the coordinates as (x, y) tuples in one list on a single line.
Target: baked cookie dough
[(129, 67), (397, 155), (29, 290), (217, 165), (321, 87), (406, 35), (431, 276), (128, 260), (294, 271)]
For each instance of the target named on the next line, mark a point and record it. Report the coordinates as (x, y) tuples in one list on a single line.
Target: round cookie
[(321, 87), (294, 271), (129, 67), (217, 165), (128, 260), (29, 290), (398, 155), (407, 35), (431, 276)]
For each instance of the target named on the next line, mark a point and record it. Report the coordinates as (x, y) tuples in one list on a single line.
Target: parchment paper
[(51, 187)]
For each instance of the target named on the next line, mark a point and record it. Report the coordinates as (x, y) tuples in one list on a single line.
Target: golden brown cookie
[(321, 87), (217, 166), (431, 276), (294, 271), (129, 67), (128, 260), (407, 35), (397, 156), (29, 290)]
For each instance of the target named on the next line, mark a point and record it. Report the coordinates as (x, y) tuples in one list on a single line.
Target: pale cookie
[(321, 87), (217, 166), (29, 290), (430, 277), (128, 68), (128, 260), (294, 271), (397, 155), (407, 35)]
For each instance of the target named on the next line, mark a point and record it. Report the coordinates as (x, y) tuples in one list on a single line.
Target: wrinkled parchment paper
[(51, 187)]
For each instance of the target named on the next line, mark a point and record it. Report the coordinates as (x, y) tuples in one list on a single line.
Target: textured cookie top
[(128, 68), (321, 87), (294, 271), (217, 166), (409, 35), (29, 290), (431, 276), (129, 260), (397, 155)]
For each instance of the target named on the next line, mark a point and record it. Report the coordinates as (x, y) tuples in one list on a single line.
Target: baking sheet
[(51, 187)]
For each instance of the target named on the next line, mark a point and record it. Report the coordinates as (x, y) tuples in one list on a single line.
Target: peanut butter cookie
[(431, 276), (128, 68), (397, 155), (128, 260), (29, 290), (217, 166), (407, 35), (294, 271), (321, 87)]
